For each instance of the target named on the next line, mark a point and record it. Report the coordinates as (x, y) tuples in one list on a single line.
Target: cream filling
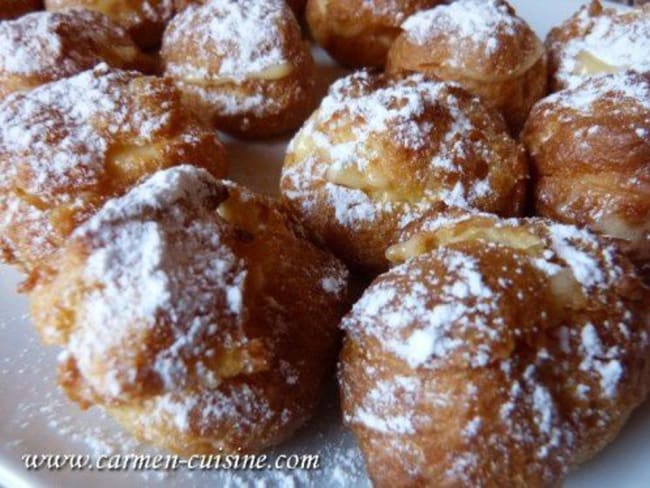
[(589, 64)]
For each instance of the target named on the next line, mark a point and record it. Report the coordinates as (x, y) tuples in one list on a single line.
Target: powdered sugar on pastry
[(52, 45), (91, 109), (176, 277), (502, 337), (246, 38), (181, 311), (597, 40), (475, 23), (590, 95), (68, 145), (382, 149)]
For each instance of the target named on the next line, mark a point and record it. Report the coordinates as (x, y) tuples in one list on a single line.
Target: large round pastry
[(358, 33), (196, 313), (381, 151), (481, 44), (598, 40), (495, 353), (590, 152), (241, 65), (47, 46), (68, 146)]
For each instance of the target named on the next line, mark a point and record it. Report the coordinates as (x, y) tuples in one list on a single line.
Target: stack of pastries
[(494, 189)]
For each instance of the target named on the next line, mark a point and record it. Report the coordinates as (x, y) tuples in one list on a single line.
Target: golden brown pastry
[(196, 313), (298, 7), (10, 9), (242, 65), (380, 151), (358, 33), (499, 353), (481, 44), (47, 46), (597, 40), (590, 150), (145, 20), (68, 146)]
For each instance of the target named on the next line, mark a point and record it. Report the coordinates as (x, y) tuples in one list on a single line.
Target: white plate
[(37, 418)]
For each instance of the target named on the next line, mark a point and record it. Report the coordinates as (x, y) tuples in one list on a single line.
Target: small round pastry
[(380, 151), (358, 33), (597, 41), (10, 9), (145, 20), (46, 46), (68, 146), (499, 353), (196, 313), (481, 44), (242, 65), (590, 152)]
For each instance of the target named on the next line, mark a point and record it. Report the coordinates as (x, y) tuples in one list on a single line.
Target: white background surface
[(36, 418)]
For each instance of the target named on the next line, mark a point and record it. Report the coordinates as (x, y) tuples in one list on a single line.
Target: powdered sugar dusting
[(475, 24), (58, 44), (555, 381), (617, 41), (436, 328), (164, 274), (589, 96), (62, 131), (245, 36)]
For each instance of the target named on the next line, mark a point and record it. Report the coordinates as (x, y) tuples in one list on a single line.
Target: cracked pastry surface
[(196, 313), (46, 46), (482, 45), (144, 20), (589, 148), (598, 40), (68, 146), (380, 151), (242, 65), (358, 33), (495, 352)]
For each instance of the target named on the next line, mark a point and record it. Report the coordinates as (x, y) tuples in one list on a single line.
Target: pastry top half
[(46, 46), (225, 40), (196, 312), (477, 39), (599, 40), (67, 146)]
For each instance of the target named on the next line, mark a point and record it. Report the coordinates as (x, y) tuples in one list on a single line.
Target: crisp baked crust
[(499, 353), (46, 46), (380, 151), (484, 46), (243, 66), (590, 150), (195, 312), (597, 40), (10, 9), (358, 33), (145, 20), (68, 146)]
